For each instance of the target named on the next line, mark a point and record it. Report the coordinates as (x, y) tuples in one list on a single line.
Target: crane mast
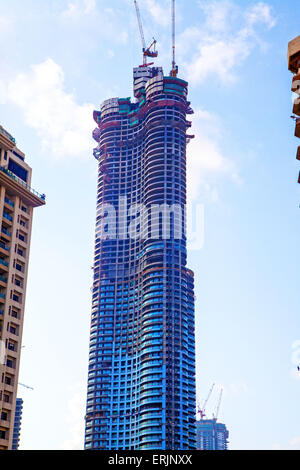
[(202, 410), (218, 406), (174, 71)]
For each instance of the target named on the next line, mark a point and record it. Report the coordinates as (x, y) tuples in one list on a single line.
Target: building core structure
[(17, 201), (141, 379)]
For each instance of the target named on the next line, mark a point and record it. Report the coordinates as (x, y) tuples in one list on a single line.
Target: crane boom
[(147, 52), (219, 404), (202, 410), (26, 386), (138, 14)]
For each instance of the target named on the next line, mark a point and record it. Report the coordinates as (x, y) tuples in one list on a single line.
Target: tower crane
[(147, 51), (202, 409), (26, 386), (174, 71), (215, 417)]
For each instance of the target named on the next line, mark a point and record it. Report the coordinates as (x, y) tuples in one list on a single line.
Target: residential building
[(17, 201), (294, 67)]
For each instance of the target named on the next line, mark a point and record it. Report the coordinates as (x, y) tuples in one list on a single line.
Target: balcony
[(296, 108), (3, 246), (8, 217), (296, 84), (6, 232), (297, 130), (20, 185), (9, 202), (3, 263)]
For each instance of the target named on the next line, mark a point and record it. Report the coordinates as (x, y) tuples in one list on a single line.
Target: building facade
[(17, 201), (141, 381), (17, 424), (211, 435), (294, 67)]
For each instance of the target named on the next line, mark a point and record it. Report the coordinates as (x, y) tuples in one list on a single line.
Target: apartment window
[(6, 398), (13, 330), (21, 237), (10, 363), (19, 267), (8, 380), (17, 170)]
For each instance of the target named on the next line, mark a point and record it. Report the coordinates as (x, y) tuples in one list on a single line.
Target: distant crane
[(202, 409), (174, 71), (147, 51), (26, 386), (215, 416)]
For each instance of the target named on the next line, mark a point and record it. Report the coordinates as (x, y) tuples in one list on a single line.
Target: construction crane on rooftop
[(215, 416), (202, 409), (174, 71), (147, 51)]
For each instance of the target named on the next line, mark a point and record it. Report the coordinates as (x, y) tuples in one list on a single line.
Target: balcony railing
[(7, 216), (20, 181), (3, 246), (6, 232), (7, 134)]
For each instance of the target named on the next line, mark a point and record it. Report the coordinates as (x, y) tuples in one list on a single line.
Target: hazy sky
[(59, 60)]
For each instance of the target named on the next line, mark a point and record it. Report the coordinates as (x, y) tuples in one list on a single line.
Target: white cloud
[(227, 37), (77, 8), (260, 13), (160, 11), (206, 161), (6, 25), (75, 418), (63, 125)]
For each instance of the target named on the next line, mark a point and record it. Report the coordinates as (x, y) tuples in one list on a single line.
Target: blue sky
[(60, 59)]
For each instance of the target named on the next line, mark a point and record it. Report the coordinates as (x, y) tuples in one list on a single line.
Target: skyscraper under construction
[(141, 380)]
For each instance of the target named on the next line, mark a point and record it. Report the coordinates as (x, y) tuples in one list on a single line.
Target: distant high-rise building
[(17, 424), (211, 435), (294, 67), (17, 201), (141, 380)]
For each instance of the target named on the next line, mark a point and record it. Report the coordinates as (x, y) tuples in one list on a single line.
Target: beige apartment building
[(294, 67), (17, 201)]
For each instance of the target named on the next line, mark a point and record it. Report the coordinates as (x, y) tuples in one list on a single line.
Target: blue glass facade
[(141, 382), (17, 424), (211, 435)]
